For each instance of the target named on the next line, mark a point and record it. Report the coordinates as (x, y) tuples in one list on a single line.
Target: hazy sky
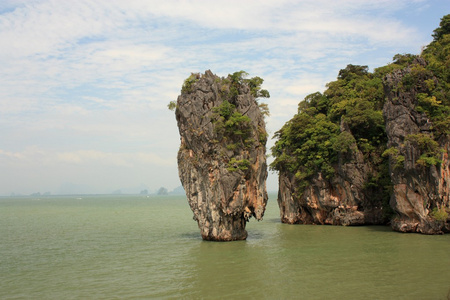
[(84, 85)]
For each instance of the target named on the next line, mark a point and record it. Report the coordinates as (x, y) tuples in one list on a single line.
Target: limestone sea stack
[(222, 156), (329, 155)]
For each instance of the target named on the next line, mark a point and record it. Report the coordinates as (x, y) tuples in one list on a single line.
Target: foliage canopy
[(313, 139), (347, 117)]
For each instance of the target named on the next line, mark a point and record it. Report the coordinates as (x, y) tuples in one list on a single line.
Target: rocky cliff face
[(222, 160), (421, 185), (341, 200), (388, 161), (419, 167)]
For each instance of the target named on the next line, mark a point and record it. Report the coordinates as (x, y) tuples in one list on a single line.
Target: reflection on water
[(103, 248)]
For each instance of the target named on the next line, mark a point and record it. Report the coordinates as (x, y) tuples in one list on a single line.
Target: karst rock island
[(222, 156)]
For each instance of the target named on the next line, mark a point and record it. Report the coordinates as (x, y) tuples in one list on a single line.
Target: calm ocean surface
[(134, 247)]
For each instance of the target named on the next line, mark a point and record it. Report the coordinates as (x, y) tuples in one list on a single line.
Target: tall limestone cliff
[(419, 164), (374, 147), (222, 160), (329, 155)]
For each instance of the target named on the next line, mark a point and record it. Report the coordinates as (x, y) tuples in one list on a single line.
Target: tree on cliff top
[(443, 29)]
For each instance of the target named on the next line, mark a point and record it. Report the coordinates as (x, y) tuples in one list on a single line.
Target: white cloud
[(41, 157), (89, 81), (128, 160)]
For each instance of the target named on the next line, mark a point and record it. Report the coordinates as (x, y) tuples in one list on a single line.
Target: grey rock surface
[(223, 172)]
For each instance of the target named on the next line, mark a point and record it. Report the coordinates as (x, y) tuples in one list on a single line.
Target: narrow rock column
[(221, 160)]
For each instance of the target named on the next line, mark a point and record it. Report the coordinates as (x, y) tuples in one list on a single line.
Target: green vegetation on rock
[(348, 117), (232, 126), (439, 214), (436, 100), (187, 85), (312, 141), (429, 148), (234, 164), (233, 129)]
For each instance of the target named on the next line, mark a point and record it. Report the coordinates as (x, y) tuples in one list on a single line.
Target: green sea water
[(134, 247)]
